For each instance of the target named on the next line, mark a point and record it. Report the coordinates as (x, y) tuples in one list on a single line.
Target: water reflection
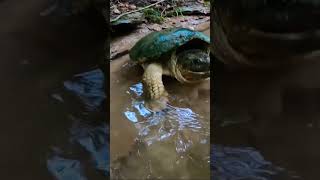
[(89, 88), (65, 169), (233, 163), (85, 155)]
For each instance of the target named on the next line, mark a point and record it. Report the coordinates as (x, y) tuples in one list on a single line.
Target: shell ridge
[(157, 44)]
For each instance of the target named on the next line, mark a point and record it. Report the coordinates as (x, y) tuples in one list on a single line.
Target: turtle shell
[(156, 44)]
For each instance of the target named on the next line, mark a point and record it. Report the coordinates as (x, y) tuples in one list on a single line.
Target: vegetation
[(153, 15), (158, 11)]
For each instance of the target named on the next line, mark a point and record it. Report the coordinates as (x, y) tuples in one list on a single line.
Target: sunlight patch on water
[(131, 116)]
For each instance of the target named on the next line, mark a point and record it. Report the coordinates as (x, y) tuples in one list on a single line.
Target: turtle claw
[(157, 105)]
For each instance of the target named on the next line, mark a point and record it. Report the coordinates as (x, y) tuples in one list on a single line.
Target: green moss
[(153, 15)]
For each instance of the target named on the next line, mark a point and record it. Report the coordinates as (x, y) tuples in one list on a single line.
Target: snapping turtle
[(178, 52)]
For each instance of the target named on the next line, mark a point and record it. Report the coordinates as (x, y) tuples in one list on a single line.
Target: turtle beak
[(196, 76)]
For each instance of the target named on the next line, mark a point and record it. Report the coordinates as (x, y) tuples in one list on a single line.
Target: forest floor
[(131, 20)]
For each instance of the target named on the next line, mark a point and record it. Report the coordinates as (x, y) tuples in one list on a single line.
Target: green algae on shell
[(156, 44)]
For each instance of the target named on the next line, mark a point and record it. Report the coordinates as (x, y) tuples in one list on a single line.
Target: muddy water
[(174, 143)]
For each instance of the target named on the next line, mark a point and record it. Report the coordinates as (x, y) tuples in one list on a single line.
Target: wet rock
[(133, 19), (194, 10), (132, 7), (116, 11), (190, 8)]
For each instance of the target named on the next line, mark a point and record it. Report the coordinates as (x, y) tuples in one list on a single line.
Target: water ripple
[(180, 125)]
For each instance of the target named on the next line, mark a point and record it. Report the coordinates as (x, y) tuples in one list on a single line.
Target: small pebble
[(132, 7), (116, 11)]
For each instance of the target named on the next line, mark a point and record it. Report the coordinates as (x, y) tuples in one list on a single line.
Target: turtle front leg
[(152, 80)]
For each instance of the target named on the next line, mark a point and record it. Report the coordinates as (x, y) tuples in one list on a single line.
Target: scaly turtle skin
[(177, 52), (264, 33)]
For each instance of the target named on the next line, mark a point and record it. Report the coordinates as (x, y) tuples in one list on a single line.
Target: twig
[(163, 11), (121, 15)]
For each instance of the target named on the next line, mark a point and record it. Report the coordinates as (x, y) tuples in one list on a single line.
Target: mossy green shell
[(154, 45)]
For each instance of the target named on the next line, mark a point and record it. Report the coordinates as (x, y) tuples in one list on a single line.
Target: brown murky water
[(174, 143)]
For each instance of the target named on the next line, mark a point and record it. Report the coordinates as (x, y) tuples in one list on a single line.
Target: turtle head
[(192, 65)]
